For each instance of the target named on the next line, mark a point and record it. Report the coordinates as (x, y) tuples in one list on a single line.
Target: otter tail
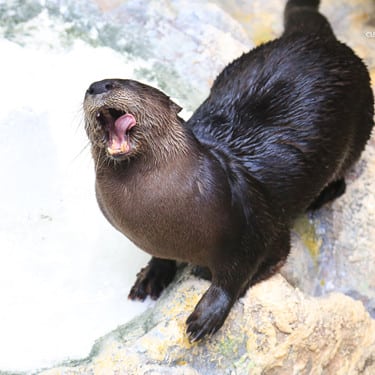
[(302, 16)]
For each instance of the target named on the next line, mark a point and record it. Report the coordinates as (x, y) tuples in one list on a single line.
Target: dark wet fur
[(281, 126)]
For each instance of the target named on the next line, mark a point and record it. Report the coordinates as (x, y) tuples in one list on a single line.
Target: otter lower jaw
[(120, 151)]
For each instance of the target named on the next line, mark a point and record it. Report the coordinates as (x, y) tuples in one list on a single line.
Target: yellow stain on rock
[(262, 35), (372, 75), (242, 17), (171, 331), (109, 358), (306, 231), (263, 31), (359, 19), (181, 363), (159, 345)]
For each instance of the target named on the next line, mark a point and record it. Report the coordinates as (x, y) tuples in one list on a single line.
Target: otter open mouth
[(117, 125)]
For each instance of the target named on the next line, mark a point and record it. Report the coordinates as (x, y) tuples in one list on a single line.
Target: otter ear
[(174, 107)]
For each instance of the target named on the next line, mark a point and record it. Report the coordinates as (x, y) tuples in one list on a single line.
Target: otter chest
[(163, 217)]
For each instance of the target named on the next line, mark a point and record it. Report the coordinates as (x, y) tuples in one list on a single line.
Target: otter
[(281, 126)]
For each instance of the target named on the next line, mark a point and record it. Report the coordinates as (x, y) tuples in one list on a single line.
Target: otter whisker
[(85, 147)]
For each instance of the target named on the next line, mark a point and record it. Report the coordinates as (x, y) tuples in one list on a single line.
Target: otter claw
[(209, 314), (153, 279)]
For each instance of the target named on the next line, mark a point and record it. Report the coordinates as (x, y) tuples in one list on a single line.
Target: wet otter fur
[(281, 126)]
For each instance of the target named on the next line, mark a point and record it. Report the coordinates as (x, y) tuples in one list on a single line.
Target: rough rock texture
[(274, 329), (333, 249)]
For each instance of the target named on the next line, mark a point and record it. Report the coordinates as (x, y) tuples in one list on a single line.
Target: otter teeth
[(123, 149)]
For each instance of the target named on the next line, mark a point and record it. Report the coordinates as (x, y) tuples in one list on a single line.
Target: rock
[(200, 36), (107, 5), (274, 329), (333, 248)]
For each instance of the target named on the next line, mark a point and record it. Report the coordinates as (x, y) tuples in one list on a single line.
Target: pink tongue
[(118, 133)]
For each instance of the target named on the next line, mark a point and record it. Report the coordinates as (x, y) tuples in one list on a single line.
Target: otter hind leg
[(153, 279), (265, 271), (271, 264), (332, 191)]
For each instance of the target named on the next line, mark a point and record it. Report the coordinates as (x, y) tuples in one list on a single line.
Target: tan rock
[(274, 329)]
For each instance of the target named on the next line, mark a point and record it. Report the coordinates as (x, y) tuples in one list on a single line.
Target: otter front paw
[(153, 279), (209, 314)]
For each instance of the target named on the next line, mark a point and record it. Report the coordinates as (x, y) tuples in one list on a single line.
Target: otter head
[(126, 118)]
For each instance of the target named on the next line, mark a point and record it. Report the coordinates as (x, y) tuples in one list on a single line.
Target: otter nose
[(101, 87)]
